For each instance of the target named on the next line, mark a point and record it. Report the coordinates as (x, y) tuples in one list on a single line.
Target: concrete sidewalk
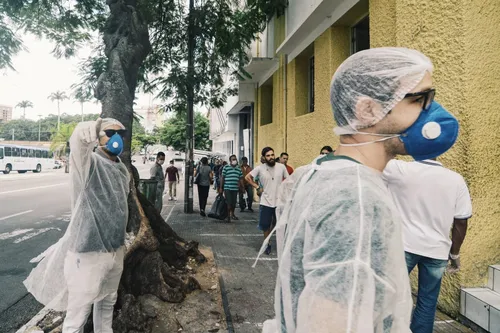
[(248, 292)]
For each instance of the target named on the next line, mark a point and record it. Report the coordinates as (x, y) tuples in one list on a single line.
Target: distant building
[(5, 113), (151, 117)]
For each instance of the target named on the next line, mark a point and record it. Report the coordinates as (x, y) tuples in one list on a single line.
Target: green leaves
[(173, 133)]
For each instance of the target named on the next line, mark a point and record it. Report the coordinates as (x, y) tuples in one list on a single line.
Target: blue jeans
[(430, 273)]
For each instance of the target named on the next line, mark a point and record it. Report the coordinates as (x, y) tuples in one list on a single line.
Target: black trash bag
[(219, 208)]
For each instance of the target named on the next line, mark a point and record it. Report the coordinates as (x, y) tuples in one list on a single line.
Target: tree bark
[(157, 253)]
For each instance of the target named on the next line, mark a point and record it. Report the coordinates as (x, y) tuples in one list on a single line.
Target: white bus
[(24, 158)]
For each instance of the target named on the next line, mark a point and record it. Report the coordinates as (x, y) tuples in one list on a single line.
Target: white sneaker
[(175, 198), (170, 199)]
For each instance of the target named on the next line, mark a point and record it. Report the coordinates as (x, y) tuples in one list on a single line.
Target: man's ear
[(368, 111)]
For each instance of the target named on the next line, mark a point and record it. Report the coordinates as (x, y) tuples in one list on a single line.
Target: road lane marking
[(230, 235), (33, 234), (32, 188), (246, 258), (14, 233), (14, 215)]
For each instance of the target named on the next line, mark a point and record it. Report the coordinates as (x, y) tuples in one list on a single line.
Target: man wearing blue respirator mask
[(341, 258), (84, 267)]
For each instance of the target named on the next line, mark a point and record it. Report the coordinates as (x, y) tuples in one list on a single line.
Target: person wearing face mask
[(270, 175), (84, 267), (326, 150), (157, 174), (341, 258), (231, 185)]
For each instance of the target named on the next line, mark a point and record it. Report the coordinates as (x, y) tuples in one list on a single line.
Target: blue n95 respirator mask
[(432, 134), (115, 145)]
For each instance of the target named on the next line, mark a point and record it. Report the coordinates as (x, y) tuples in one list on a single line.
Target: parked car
[(57, 164)]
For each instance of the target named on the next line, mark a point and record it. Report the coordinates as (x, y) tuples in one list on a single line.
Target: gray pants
[(159, 198)]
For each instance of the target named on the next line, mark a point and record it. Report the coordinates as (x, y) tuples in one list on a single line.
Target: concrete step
[(481, 306), (494, 278)]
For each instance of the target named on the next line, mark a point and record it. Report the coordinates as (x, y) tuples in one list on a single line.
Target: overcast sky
[(38, 74)]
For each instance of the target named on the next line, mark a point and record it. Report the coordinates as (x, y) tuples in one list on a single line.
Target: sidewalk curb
[(33, 321), (225, 301)]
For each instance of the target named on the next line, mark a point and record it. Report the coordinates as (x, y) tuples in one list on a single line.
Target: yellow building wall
[(458, 37), (309, 132)]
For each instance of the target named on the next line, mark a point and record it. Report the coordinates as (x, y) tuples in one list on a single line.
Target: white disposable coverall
[(84, 267), (341, 258)]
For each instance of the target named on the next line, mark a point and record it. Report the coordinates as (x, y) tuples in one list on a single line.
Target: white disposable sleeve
[(82, 143)]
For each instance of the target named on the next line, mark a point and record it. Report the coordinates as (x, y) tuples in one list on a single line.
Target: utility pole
[(39, 126), (188, 179), (13, 131)]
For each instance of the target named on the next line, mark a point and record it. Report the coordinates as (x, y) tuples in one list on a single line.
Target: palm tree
[(82, 96), (58, 96), (23, 105)]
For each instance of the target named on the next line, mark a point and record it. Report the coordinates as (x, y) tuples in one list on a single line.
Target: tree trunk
[(155, 249)]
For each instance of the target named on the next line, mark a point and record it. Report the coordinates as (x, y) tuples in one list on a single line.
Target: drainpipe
[(285, 93)]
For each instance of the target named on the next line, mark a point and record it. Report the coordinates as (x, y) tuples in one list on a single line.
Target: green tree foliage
[(27, 130), (60, 138), (173, 133), (223, 29)]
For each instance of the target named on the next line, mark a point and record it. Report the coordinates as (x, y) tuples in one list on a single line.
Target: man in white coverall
[(341, 258), (84, 267)]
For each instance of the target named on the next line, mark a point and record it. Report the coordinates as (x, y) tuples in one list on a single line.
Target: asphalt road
[(34, 214)]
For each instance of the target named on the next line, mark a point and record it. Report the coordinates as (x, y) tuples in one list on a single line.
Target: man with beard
[(270, 174)]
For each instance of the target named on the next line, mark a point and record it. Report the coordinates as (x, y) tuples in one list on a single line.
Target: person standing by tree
[(85, 266), (231, 183), (205, 178), (157, 174), (173, 178), (248, 189), (270, 175)]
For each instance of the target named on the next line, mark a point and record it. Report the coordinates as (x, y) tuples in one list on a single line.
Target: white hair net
[(85, 265), (374, 80), (341, 257), (107, 123)]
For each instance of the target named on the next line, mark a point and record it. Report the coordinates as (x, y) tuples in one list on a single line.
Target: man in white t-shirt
[(270, 174), (432, 200)]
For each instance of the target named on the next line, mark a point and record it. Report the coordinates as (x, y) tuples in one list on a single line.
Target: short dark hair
[(283, 154), (244, 159), (230, 157), (266, 150), (204, 160), (160, 154), (327, 148)]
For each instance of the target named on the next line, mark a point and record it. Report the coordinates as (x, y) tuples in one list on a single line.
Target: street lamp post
[(39, 126)]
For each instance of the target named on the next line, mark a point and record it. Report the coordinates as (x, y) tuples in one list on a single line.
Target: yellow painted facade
[(460, 38)]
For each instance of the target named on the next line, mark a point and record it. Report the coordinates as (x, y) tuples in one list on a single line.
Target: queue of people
[(350, 226)]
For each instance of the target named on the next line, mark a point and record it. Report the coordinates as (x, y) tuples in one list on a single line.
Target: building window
[(311, 84), (266, 102), (304, 81), (360, 36)]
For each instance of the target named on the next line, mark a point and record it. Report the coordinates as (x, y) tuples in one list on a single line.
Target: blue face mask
[(115, 144), (432, 134)]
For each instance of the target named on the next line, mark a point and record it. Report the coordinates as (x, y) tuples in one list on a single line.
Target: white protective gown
[(341, 257), (89, 257)]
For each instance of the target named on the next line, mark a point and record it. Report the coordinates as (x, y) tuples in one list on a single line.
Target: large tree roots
[(155, 264)]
